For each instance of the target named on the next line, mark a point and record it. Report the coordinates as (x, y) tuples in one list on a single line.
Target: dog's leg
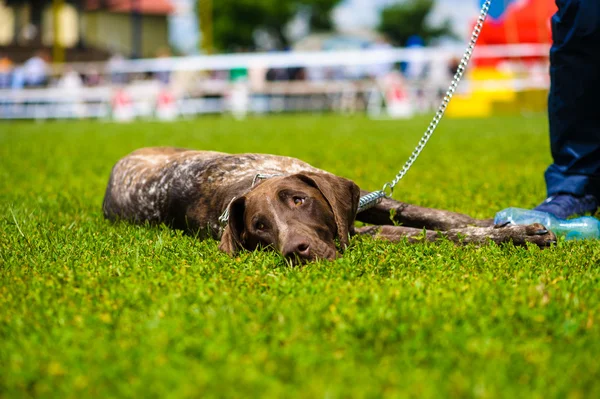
[(518, 235), (390, 211), (398, 233)]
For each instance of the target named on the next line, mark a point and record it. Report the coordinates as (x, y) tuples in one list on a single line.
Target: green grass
[(94, 309)]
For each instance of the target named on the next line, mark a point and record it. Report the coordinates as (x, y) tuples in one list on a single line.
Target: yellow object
[(7, 24), (491, 92), (58, 50), (205, 11)]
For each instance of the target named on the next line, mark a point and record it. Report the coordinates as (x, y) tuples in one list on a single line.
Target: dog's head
[(300, 216)]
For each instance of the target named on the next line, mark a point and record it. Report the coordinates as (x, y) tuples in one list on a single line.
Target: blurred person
[(297, 73), (378, 71), (92, 77), (436, 83), (399, 103), (316, 74), (69, 83), (36, 69), (163, 76), (17, 81), (415, 68), (573, 179), (70, 79), (238, 99), (278, 75), (6, 69), (115, 62), (220, 75)]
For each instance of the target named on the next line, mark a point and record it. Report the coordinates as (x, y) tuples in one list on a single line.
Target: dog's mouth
[(320, 251)]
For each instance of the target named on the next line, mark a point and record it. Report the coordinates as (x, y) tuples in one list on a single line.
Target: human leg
[(572, 112)]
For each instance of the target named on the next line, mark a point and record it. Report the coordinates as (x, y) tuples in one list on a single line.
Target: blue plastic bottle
[(581, 228)]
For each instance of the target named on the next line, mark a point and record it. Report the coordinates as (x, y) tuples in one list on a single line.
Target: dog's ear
[(342, 196), (231, 240)]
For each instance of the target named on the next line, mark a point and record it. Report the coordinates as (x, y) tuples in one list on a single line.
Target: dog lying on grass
[(280, 203)]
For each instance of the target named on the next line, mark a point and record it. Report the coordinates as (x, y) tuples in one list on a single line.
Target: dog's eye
[(299, 201), (259, 226)]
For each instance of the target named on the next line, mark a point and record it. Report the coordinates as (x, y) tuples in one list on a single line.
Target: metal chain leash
[(372, 199)]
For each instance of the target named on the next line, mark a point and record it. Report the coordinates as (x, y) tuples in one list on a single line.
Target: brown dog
[(277, 202)]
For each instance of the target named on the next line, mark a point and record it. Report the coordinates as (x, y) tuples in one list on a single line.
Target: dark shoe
[(564, 206)]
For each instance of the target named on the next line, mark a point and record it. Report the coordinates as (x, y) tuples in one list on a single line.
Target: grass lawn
[(94, 309)]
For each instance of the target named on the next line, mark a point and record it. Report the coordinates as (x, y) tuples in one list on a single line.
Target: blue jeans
[(573, 102)]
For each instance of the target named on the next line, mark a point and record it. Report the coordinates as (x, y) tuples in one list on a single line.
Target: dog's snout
[(297, 248)]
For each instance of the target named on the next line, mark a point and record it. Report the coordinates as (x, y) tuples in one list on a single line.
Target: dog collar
[(224, 218)]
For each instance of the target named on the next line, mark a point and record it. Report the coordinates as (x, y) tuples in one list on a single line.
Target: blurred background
[(169, 59)]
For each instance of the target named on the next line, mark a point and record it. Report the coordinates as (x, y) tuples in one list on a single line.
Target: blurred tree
[(236, 21), (401, 21), (320, 17)]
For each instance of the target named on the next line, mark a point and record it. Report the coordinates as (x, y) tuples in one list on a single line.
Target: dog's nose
[(297, 248)]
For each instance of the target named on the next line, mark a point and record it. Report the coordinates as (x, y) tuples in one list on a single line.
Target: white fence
[(345, 81)]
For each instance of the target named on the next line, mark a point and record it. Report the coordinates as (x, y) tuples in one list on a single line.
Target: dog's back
[(141, 183)]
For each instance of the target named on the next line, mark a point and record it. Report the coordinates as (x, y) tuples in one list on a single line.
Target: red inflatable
[(524, 21)]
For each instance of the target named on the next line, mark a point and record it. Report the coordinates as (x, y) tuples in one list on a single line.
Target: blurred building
[(347, 40), (88, 30), (111, 25)]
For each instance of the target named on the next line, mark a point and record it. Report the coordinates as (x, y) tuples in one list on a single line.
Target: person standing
[(573, 179), (36, 69)]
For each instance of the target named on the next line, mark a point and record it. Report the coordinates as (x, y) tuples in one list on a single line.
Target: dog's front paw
[(521, 234)]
